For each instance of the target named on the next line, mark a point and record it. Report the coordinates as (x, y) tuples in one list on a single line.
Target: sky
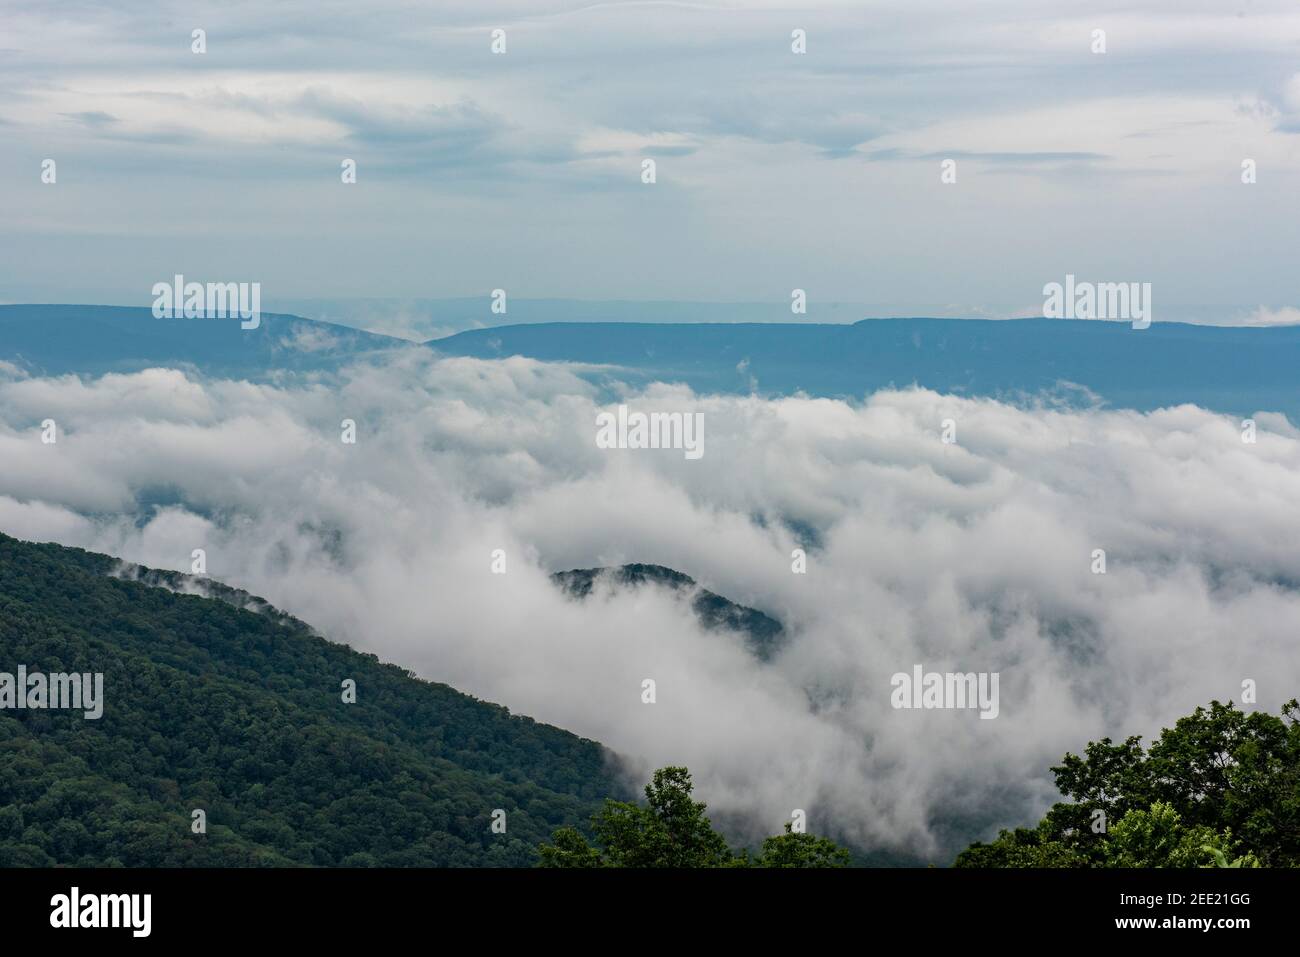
[(774, 170)]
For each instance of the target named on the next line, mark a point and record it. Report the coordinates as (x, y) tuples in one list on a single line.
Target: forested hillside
[(240, 714)]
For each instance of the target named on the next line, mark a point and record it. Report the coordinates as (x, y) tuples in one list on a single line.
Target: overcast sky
[(774, 170)]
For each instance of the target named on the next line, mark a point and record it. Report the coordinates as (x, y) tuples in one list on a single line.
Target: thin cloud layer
[(974, 556)]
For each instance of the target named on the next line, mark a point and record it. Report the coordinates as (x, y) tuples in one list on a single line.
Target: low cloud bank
[(976, 556)]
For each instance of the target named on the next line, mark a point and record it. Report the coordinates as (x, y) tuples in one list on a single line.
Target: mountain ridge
[(1237, 370), (1232, 369), (51, 339), (763, 634)]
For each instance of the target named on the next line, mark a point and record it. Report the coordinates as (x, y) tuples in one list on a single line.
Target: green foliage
[(1220, 783), (211, 706), (1156, 837), (801, 850), (1221, 860), (1023, 847), (570, 849), (671, 830)]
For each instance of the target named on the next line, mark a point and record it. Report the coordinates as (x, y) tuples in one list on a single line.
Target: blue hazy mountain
[(434, 318), (1234, 370), (1229, 369), (52, 340)]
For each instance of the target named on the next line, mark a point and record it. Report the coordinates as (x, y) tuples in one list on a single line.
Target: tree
[(569, 850), (1157, 837), (1221, 782), (673, 831), (801, 850)]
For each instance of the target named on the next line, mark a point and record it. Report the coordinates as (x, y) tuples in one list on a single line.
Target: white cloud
[(1264, 316), (970, 557)]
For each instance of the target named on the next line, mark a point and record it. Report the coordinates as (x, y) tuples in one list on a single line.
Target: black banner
[(334, 906)]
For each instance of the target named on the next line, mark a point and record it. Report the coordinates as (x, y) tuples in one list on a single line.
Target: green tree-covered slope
[(211, 706)]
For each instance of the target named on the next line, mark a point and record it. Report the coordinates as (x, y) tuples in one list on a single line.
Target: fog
[(974, 556)]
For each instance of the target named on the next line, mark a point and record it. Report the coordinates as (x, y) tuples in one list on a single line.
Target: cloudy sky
[(775, 170)]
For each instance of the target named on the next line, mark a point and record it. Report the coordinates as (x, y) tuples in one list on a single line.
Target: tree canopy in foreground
[(671, 830), (1220, 788)]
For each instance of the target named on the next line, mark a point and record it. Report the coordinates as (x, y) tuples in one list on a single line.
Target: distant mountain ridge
[(94, 340), (1233, 370), (763, 634), (1237, 370)]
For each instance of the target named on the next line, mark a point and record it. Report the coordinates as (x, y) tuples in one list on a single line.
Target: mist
[(977, 555)]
